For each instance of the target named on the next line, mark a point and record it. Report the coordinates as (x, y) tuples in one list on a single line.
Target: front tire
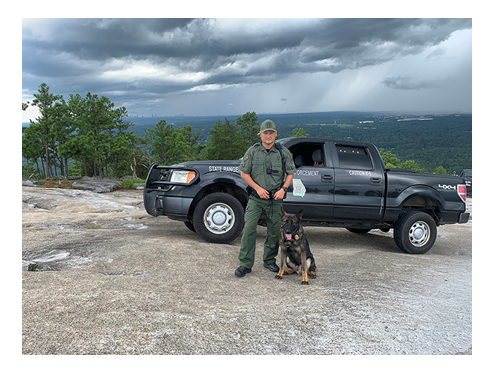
[(219, 218), (415, 232)]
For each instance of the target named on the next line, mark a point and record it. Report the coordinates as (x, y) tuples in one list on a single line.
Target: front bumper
[(172, 199), (176, 208)]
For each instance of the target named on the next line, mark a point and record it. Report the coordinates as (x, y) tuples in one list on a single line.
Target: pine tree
[(224, 141), (45, 100)]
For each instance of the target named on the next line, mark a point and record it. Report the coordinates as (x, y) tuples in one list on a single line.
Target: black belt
[(271, 193)]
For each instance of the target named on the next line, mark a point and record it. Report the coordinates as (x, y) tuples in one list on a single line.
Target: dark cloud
[(148, 57), (164, 39), (354, 43)]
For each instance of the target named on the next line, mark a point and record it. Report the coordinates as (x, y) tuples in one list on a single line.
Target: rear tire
[(415, 232), (219, 218)]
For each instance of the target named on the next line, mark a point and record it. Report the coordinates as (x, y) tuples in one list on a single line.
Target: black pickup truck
[(337, 184)]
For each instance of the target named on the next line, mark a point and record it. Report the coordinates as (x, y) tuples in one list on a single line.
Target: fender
[(399, 200), (227, 180), (219, 178)]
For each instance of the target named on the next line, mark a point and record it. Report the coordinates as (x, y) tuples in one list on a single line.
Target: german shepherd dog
[(295, 250)]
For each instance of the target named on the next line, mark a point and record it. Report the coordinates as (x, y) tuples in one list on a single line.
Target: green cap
[(267, 125)]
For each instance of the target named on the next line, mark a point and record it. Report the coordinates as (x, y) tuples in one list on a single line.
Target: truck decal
[(307, 173), (298, 188), (224, 169), (447, 187), (360, 173)]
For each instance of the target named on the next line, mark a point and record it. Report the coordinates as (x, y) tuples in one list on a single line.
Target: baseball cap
[(267, 125)]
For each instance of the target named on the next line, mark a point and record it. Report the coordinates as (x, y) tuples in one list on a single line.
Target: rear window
[(353, 157)]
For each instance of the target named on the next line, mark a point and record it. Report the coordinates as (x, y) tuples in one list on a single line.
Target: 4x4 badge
[(447, 187)]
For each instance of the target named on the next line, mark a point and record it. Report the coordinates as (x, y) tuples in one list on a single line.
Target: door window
[(354, 157), (308, 154)]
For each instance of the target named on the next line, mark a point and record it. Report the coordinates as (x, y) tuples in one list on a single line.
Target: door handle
[(326, 178), (375, 180)]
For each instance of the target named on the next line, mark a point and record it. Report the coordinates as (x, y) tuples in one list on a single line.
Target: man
[(263, 168)]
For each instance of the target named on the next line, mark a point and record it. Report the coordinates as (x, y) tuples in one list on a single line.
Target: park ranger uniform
[(266, 168)]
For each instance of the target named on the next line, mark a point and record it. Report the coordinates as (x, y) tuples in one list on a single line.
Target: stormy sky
[(226, 66)]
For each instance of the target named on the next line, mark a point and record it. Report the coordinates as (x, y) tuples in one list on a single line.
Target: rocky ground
[(101, 276)]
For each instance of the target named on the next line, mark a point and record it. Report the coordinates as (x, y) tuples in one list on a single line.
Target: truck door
[(360, 184), (312, 188)]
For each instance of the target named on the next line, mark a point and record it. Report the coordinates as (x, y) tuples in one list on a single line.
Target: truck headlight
[(184, 177)]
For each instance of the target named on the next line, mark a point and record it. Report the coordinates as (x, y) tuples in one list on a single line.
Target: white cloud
[(136, 70), (210, 87)]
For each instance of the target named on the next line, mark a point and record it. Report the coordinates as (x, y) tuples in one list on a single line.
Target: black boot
[(241, 271)]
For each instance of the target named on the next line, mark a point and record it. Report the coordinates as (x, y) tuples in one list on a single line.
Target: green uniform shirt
[(257, 160)]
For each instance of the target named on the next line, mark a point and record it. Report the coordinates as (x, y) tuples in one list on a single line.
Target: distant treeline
[(445, 140), (90, 136)]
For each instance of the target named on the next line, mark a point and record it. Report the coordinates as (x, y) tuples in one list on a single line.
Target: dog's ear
[(283, 212), (300, 214)]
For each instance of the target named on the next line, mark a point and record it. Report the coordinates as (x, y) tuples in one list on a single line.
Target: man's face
[(268, 137)]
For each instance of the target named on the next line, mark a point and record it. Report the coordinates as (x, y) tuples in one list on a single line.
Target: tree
[(60, 132), (77, 145), (248, 125), (162, 136), (390, 160), (45, 100), (32, 146), (145, 146), (224, 141), (121, 142), (78, 148), (440, 171), (189, 141), (87, 140), (299, 132), (97, 133), (411, 165), (171, 145), (99, 122)]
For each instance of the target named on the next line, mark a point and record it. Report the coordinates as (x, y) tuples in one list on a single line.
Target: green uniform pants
[(253, 213)]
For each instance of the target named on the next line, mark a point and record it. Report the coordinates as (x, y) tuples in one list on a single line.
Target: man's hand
[(280, 194), (263, 193)]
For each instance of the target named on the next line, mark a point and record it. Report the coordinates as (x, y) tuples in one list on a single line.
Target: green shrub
[(129, 184)]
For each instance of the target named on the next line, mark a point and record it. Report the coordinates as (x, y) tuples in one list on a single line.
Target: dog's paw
[(305, 282), (278, 277), (312, 275)]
